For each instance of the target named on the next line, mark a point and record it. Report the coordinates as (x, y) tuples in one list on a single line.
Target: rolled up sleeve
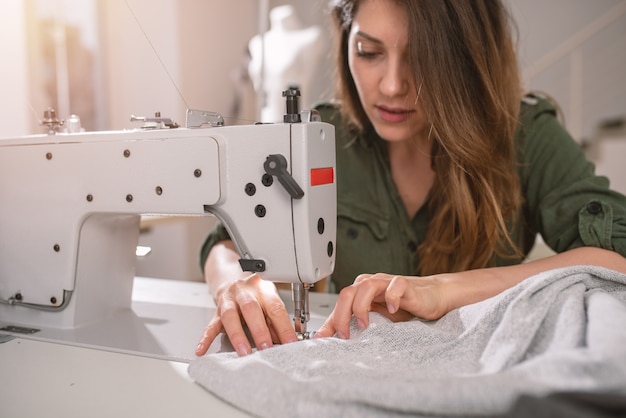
[(568, 204)]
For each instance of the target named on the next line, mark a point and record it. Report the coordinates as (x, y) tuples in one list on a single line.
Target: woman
[(445, 175)]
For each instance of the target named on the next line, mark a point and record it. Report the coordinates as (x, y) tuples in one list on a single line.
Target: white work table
[(132, 365)]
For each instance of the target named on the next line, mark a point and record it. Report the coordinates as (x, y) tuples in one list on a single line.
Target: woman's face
[(379, 62)]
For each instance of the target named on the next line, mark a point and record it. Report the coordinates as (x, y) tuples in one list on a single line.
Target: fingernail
[(265, 346), (341, 335), (391, 308), (360, 324), (199, 347), (242, 350)]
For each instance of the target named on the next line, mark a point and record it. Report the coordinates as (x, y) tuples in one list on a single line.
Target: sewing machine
[(71, 206)]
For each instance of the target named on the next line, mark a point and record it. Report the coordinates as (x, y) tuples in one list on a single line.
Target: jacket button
[(594, 208), (352, 233)]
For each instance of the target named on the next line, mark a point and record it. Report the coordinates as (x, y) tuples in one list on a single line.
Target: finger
[(210, 333), (362, 277), (231, 322), (327, 329), (342, 313), (395, 292), (279, 320), (254, 317), (367, 291)]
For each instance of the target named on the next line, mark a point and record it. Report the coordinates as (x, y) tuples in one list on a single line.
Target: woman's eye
[(363, 52), (366, 54)]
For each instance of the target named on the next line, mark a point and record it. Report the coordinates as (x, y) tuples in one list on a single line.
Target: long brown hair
[(463, 55)]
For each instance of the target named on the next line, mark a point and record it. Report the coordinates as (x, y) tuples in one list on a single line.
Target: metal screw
[(48, 156), (260, 211), (89, 198), (159, 190), (53, 300), (129, 198), (250, 189), (57, 248), (267, 180), (126, 153), (18, 296), (197, 172)]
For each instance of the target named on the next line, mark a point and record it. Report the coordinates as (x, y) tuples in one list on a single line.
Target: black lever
[(276, 165)]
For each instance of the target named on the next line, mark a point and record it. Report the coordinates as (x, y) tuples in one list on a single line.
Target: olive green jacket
[(564, 200)]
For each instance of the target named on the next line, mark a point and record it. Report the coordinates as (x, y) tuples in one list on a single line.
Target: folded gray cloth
[(560, 330)]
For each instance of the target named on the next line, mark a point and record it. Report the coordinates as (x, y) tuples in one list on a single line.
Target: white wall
[(576, 51), (14, 107), (173, 55)]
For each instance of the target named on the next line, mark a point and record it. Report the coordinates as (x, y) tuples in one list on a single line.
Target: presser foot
[(307, 335), (301, 331)]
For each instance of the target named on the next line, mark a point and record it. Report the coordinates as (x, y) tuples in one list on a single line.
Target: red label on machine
[(321, 176)]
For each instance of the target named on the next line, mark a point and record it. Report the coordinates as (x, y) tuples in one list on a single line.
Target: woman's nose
[(395, 79)]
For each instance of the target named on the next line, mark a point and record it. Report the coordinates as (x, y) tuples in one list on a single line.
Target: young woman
[(445, 174)]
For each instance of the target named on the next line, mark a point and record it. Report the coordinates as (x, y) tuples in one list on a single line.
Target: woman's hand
[(399, 298), (255, 303)]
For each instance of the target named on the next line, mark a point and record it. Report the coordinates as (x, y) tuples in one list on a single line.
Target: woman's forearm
[(472, 286), (222, 266)]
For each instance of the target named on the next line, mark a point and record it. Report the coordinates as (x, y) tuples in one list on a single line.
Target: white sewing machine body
[(71, 206)]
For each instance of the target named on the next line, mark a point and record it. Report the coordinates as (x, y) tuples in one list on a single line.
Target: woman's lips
[(393, 115)]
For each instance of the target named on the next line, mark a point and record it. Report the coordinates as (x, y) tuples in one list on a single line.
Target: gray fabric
[(560, 330)]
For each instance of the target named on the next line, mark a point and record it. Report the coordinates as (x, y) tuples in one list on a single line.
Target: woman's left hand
[(398, 298)]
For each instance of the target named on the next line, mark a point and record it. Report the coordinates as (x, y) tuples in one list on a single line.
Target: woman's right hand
[(251, 302)]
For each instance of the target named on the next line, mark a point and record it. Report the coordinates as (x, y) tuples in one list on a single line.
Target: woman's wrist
[(467, 287), (222, 268)]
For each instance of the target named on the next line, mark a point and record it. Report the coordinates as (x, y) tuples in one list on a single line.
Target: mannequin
[(289, 57)]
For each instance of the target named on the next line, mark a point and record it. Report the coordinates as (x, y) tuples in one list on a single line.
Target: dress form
[(288, 54)]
